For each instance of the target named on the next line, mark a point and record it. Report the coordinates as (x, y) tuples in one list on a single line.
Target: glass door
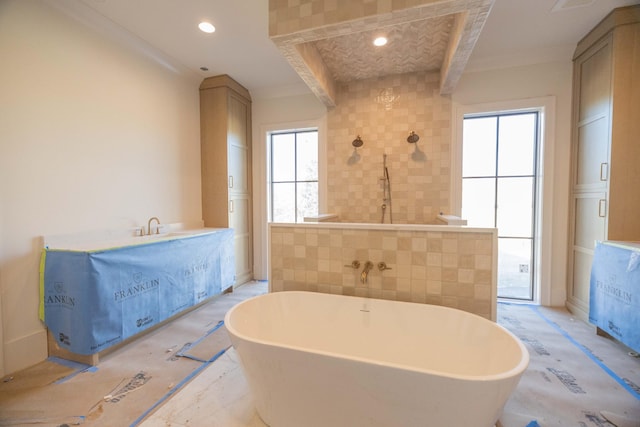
[(499, 164)]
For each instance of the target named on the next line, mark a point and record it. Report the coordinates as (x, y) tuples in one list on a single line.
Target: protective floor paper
[(570, 380)]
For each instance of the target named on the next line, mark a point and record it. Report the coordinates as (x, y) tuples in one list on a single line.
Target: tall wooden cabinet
[(225, 132), (605, 186)]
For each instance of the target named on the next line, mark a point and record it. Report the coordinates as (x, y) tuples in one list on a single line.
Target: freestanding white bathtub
[(319, 360)]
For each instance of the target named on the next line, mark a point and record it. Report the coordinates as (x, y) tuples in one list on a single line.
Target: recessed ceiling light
[(206, 27), (380, 41)]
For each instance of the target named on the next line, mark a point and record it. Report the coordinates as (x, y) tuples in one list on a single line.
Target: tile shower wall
[(383, 111), (449, 268)]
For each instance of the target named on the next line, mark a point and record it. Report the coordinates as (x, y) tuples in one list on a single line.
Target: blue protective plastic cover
[(615, 291), (93, 300)]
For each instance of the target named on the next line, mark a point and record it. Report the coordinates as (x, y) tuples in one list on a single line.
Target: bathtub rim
[(516, 371)]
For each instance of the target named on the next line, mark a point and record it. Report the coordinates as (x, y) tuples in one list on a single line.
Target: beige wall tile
[(460, 276), (383, 111)]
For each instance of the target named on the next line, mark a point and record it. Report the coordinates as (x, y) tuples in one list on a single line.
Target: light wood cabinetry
[(225, 132), (605, 193)]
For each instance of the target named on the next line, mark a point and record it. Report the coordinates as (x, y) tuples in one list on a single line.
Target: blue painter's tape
[(178, 387), (68, 363), (198, 341), (188, 356), (76, 366), (587, 352)]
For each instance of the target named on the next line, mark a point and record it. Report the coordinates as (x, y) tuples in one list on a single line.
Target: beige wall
[(93, 135)]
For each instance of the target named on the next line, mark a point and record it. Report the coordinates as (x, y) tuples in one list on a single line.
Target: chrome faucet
[(149, 225), (365, 271)]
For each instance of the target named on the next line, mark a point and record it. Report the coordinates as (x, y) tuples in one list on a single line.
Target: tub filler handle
[(382, 266), (354, 264)]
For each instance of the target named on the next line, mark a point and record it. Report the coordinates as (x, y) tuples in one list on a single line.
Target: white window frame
[(544, 197), (261, 185), (295, 180)]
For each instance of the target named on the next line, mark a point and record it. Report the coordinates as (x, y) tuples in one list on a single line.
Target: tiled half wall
[(442, 265)]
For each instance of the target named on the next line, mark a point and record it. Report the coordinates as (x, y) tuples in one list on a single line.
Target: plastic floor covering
[(185, 374)]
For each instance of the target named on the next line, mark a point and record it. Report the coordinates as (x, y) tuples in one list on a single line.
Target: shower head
[(357, 142), (413, 137)]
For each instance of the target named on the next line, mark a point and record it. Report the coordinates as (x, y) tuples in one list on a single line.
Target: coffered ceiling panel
[(327, 45), (412, 46)]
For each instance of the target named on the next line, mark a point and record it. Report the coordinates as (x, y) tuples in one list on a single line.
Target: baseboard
[(578, 311), (25, 351)]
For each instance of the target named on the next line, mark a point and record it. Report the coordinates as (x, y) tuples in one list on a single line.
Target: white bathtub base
[(343, 393), (317, 360)]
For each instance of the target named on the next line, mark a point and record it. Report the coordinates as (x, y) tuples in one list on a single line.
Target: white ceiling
[(516, 32)]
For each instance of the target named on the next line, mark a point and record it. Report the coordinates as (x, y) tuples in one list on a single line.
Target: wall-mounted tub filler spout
[(149, 225), (365, 272)]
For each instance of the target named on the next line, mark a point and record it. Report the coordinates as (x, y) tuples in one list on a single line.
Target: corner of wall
[(25, 351)]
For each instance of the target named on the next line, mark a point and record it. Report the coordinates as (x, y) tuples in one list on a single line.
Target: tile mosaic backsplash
[(383, 111)]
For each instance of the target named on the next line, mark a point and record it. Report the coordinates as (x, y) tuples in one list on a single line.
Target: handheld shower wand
[(386, 191)]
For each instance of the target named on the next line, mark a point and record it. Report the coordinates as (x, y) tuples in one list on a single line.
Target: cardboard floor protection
[(563, 386), (574, 376), (128, 383)]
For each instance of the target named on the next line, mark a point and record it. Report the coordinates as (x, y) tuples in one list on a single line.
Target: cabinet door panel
[(243, 261), (239, 218), (240, 221), (581, 276), (592, 153), (238, 118), (238, 169), (238, 147), (595, 83), (589, 224)]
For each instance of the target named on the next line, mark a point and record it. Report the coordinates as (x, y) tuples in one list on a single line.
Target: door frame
[(544, 195)]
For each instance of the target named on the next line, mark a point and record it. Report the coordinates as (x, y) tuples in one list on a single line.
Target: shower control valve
[(354, 264), (382, 266)]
